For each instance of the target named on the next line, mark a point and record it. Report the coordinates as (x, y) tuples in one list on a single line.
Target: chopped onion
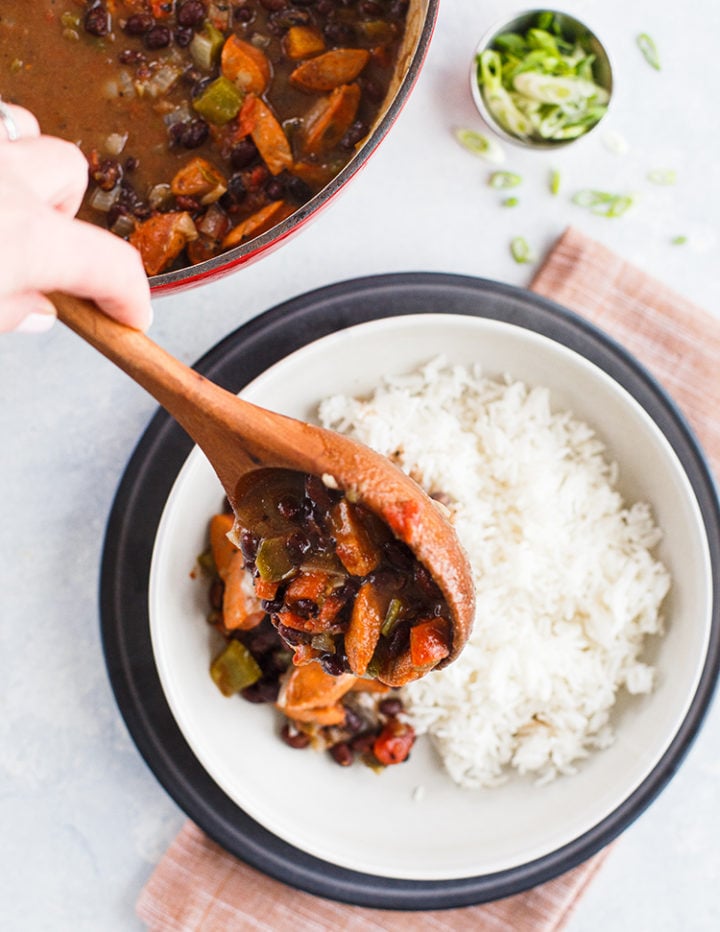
[(160, 196), (103, 200), (180, 114), (163, 79), (115, 143), (123, 226)]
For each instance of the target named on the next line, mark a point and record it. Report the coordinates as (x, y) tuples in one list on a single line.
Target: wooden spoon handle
[(215, 419)]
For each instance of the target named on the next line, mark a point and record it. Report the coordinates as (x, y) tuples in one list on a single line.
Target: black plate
[(136, 513)]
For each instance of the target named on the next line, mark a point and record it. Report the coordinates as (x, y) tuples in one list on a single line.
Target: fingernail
[(35, 323)]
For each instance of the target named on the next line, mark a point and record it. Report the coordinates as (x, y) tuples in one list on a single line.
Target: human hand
[(42, 182)]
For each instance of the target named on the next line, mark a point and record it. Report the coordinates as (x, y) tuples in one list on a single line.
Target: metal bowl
[(574, 30), (420, 23)]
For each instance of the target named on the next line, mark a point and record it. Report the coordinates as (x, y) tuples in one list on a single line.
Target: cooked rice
[(567, 586)]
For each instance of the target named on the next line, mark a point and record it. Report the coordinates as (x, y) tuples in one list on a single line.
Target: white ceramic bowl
[(375, 824)]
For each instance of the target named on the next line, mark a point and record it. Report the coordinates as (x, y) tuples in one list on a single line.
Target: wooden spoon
[(239, 438)]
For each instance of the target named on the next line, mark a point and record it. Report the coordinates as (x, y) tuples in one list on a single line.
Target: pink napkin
[(198, 887)]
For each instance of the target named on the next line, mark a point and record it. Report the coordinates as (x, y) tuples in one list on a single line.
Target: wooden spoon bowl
[(239, 438)]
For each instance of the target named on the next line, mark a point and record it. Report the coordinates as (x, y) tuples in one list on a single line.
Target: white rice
[(567, 586)]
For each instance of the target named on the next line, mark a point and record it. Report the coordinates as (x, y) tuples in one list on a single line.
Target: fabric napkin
[(198, 887)]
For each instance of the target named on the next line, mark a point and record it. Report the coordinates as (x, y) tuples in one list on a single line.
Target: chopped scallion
[(679, 240), (510, 202), (481, 145), (664, 176), (541, 85), (649, 49), (520, 250), (502, 180), (603, 203), (554, 182)]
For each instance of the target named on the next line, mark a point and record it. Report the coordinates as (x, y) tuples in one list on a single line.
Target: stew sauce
[(204, 123)]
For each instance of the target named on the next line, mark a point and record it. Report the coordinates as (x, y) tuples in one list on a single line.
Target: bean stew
[(204, 123)]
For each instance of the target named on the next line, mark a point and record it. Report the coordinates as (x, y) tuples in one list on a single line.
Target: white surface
[(473, 833), (83, 819)]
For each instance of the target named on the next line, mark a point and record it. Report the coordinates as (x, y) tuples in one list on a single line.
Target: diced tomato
[(429, 642), (394, 743)]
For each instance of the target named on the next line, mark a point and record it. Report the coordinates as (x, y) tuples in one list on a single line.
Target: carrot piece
[(314, 586), (267, 134), (303, 41), (354, 546), (314, 174), (329, 119), (330, 70), (223, 549), (199, 179), (162, 238), (257, 223), (266, 588), (429, 642), (247, 66), (310, 687), (369, 686), (329, 715), (363, 631), (240, 608), (305, 654)]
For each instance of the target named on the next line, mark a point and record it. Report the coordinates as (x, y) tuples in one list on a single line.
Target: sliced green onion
[(520, 250), (603, 203), (679, 240), (501, 180), (480, 145), (540, 85), (649, 49), (510, 202), (554, 182), (663, 176)]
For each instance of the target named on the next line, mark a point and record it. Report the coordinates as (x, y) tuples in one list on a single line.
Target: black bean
[(285, 19), (332, 664), (373, 90), (296, 739), (195, 133), (305, 608), (342, 754), (363, 743), (139, 23), (288, 506), (183, 36), (339, 33), (243, 154), (262, 691), (243, 14), (159, 37), (273, 5), (272, 606), (357, 131), (298, 189), (354, 722), (261, 639), (390, 707), (131, 163), (292, 636), (97, 21), (190, 13), (275, 189), (298, 544), (324, 7), (249, 544), (370, 8), (388, 580), (399, 638)]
